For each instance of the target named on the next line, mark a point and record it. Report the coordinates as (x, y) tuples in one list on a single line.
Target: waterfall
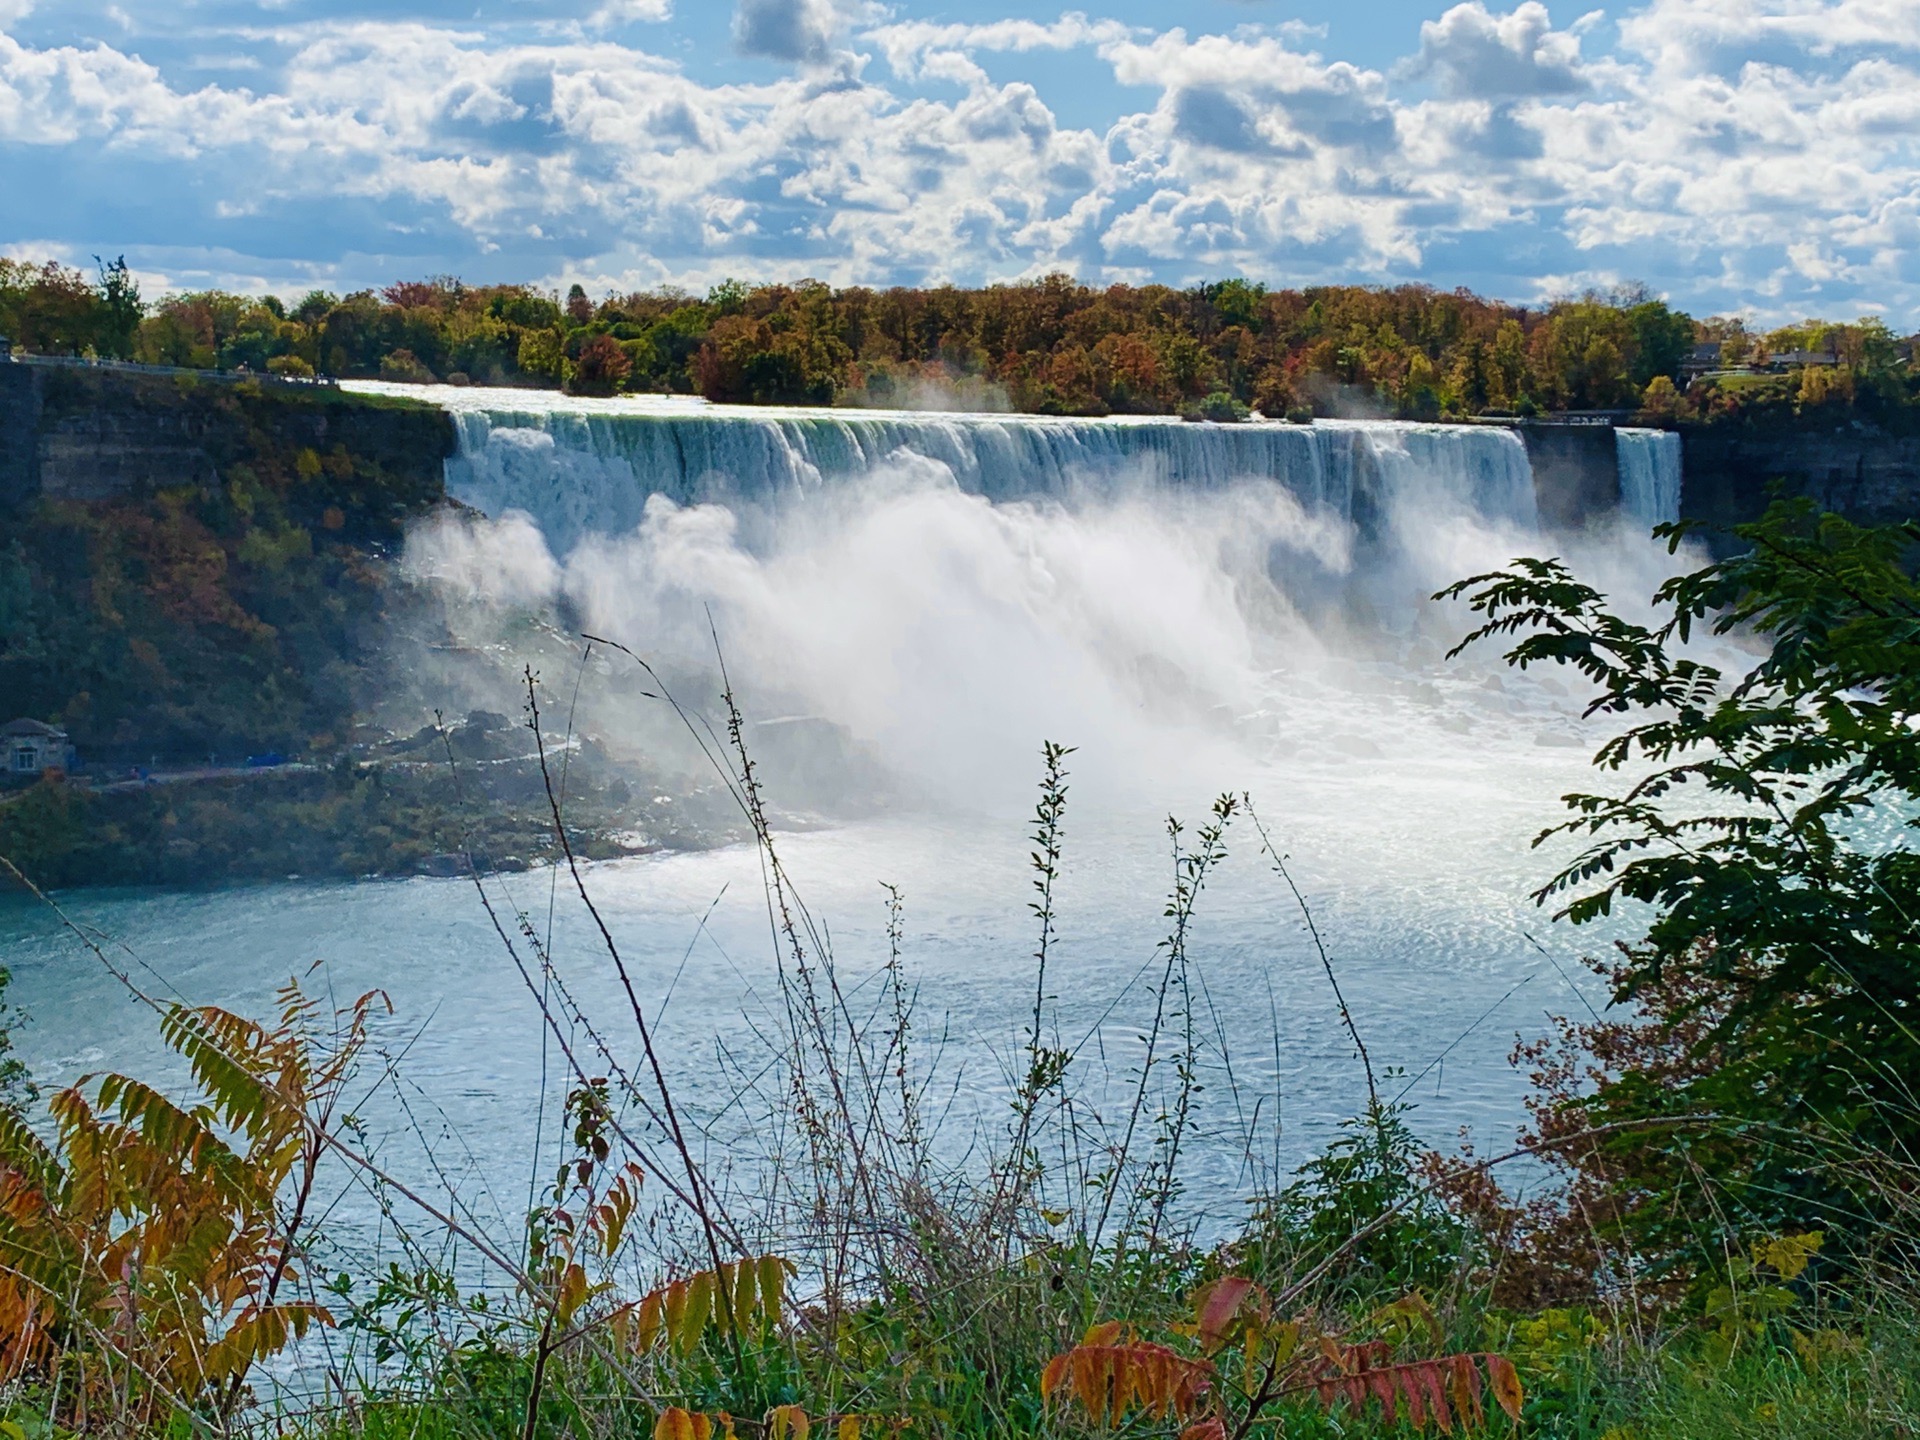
[(582, 467), (1649, 462)]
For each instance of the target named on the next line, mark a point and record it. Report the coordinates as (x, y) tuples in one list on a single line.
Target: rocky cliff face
[(1576, 474), (191, 567), (91, 435), (1856, 468), (19, 435)]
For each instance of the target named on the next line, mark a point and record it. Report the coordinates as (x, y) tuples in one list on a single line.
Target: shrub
[(402, 365), (1783, 940), (601, 368), (1219, 406)]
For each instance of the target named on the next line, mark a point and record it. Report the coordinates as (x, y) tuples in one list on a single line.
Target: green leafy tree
[(1770, 829), (120, 309), (1661, 340)]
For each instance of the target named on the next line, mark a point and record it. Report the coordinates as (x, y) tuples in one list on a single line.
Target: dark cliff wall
[(1858, 469), (74, 434), (19, 435), (193, 567), (1576, 472)]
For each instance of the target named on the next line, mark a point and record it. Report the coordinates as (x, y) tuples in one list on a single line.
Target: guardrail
[(134, 367), (1559, 417)]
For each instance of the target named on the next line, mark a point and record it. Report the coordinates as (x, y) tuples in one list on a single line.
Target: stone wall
[(1727, 468)]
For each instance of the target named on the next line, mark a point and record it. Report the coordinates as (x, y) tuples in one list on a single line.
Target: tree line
[(1049, 346)]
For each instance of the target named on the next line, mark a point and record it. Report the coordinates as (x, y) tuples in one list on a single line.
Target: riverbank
[(426, 805)]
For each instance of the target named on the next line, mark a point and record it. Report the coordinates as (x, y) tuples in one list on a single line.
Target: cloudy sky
[(1758, 155)]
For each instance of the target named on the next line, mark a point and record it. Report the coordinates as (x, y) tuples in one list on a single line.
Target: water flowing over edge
[(1649, 463), (582, 467)]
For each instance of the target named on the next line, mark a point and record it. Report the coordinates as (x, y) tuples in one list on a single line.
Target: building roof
[(32, 727)]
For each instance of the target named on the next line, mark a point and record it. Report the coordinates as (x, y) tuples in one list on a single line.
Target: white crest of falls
[(582, 467), (1649, 463)]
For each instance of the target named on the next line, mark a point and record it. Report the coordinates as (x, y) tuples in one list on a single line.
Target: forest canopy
[(1050, 346)]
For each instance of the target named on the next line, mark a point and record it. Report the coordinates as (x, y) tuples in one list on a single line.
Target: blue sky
[(1736, 155)]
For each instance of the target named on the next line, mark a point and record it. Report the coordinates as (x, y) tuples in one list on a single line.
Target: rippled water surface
[(1238, 631)]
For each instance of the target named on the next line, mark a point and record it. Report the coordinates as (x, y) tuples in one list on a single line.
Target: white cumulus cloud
[(1729, 151), (1474, 53)]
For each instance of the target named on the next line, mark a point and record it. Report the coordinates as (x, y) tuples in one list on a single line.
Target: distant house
[(1704, 359), (29, 747), (1793, 359)]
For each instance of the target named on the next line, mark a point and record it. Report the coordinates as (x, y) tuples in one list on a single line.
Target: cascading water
[(585, 467), (1649, 465)]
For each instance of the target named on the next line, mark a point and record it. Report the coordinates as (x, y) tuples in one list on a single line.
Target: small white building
[(30, 747)]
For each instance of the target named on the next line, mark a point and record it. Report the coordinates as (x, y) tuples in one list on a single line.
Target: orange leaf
[(1109, 1380), (1466, 1391), (1092, 1372), (1436, 1391), (676, 1311), (1055, 1372), (677, 1424), (1213, 1429), (573, 1294), (648, 1320), (1504, 1381)]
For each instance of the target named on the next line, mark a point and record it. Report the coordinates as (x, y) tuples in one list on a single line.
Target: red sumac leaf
[(1434, 1384), (1381, 1382), (1220, 1306), (1413, 1393), (1504, 1381)]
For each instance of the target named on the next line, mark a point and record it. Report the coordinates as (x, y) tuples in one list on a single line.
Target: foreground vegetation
[(1716, 1239), (1050, 346)]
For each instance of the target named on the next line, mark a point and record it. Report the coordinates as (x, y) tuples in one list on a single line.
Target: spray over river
[(1196, 608)]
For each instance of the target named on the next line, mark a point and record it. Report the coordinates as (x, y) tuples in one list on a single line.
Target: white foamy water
[(1649, 462), (582, 466), (1198, 608)]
